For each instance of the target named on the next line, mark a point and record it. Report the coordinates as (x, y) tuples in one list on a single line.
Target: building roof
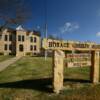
[(28, 32), (6, 28), (36, 33), (20, 28)]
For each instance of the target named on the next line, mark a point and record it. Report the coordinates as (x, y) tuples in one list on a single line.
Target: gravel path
[(6, 63)]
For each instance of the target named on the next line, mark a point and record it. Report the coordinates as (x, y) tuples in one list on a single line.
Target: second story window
[(35, 39), (10, 37), (31, 39), (0, 36), (19, 38), (5, 47), (23, 38), (6, 37)]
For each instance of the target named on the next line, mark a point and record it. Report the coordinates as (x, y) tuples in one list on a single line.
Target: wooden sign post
[(58, 59), (95, 60), (58, 64)]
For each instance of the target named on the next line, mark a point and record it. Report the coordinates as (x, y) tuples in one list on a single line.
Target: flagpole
[(45, 5), (46, 38)]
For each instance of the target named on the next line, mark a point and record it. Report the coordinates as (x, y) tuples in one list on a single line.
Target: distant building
[(19, 42)]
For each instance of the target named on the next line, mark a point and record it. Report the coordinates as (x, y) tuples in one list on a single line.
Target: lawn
[(31, 79), (3, 58)]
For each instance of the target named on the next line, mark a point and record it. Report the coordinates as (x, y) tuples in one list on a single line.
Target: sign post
[(58, 63), (95, 60), (58, 59)]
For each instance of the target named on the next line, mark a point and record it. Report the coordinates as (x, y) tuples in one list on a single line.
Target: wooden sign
[(77, 60), (69, 45)]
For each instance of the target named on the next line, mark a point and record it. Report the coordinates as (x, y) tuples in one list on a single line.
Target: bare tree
[(14, 12)]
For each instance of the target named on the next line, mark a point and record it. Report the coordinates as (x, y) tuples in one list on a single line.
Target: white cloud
[(98, 34), (38, 27), (69, 27)]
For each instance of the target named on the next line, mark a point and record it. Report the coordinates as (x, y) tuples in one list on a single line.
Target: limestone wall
[(27, 43)]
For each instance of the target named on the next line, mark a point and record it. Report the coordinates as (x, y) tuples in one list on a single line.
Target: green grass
[(27, 68), (3, 58), (30, 79)]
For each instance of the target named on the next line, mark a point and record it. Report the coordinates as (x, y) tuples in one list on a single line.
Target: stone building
[(19, 42)]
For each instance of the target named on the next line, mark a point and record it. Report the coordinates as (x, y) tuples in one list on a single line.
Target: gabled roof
[(20, 28)]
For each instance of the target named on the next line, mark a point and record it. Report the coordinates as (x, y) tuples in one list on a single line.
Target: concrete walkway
[(6, 63)]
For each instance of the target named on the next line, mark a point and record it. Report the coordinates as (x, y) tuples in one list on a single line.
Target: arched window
[(21, 48)]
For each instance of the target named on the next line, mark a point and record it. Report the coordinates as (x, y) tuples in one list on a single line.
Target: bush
[(28, 53)]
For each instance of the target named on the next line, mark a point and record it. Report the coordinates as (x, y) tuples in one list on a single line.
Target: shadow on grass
[(43, 85), (77, 80)]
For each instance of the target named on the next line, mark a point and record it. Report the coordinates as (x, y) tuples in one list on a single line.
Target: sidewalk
[(6, 63)]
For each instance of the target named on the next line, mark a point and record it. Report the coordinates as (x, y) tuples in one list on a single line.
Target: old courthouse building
[(19, 42)]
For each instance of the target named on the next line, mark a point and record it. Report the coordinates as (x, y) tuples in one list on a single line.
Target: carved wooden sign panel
[(69, 45)]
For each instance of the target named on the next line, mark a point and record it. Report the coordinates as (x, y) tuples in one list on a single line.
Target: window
[(5, 47), (19, 38), (35, 48), (6, 37), (14, 37), (35, 39), (10, 37), (10, 47), (31, 47), (23, 38), (0, 36), (50, 44), (21, 48), (31, 39)]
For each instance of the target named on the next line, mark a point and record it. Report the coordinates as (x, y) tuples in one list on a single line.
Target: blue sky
[(69, 19)]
